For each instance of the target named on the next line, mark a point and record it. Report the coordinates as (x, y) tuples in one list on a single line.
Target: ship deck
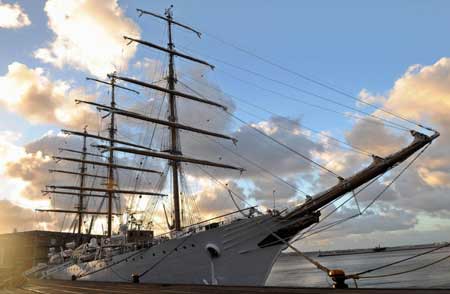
[(76, 287)]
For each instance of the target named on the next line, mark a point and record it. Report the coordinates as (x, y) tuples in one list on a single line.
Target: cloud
[(9, 152), (30, 93), (421, 94), (33, 169), (14, 217), (153, 70), (369, 98), (213, 199), (260, 157), (17, 210), (23, 173), (88, 36), (269, 155), (363, 133), (12, 16), (28, 173), (416, 192), (254, 152)]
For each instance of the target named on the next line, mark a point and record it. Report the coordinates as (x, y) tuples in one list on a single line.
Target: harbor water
[(293, 270)]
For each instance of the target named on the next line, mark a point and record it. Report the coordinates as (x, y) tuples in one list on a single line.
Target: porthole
[(164, 252)]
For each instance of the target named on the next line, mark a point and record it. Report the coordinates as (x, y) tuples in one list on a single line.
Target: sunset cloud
[(369, 98), (88, 36), (17, 209), (421, 94), (12, 16), (15, 217), (31, 94), (414, 194), (50, 46)]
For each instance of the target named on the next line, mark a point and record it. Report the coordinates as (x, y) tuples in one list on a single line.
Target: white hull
[(185, 260)]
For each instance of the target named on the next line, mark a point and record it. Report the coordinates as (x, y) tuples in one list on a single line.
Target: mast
[(171, 80), (111, 138), (175, 156), (110, 191), (80, 211), (82, 178), (110, 183)]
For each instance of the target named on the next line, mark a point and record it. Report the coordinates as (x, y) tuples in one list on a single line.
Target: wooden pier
[(78, 287)]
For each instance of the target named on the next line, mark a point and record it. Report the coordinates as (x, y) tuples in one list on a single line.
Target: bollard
[(135, 278), (338, 277)]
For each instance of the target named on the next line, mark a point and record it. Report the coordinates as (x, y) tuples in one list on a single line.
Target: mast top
[(168, 17), (168, 12)]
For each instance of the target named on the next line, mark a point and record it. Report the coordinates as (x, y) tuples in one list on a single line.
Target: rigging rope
[(347, 114), (386, 121), (183, 240), (396, 177), (284, 145), (350, 147), (235, 203), (315, 81), (252, 162), (303, 126), (311, 228), (356, 276), (328, 226), (325, 269), (370, 204), (312, 161), (144, 161), (260, 167), (311, 260), (229, 190)]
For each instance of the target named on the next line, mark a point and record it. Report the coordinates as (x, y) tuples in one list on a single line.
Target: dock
[(85, 287)]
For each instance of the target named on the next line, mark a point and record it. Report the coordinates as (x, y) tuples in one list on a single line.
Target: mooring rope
[(404, 272), (358, 275)]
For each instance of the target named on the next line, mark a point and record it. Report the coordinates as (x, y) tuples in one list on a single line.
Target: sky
[(393, 54)]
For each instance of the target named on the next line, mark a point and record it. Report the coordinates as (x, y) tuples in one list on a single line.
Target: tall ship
[(237, 248)]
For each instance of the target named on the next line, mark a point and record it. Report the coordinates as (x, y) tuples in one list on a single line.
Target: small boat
[(379, 249)]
